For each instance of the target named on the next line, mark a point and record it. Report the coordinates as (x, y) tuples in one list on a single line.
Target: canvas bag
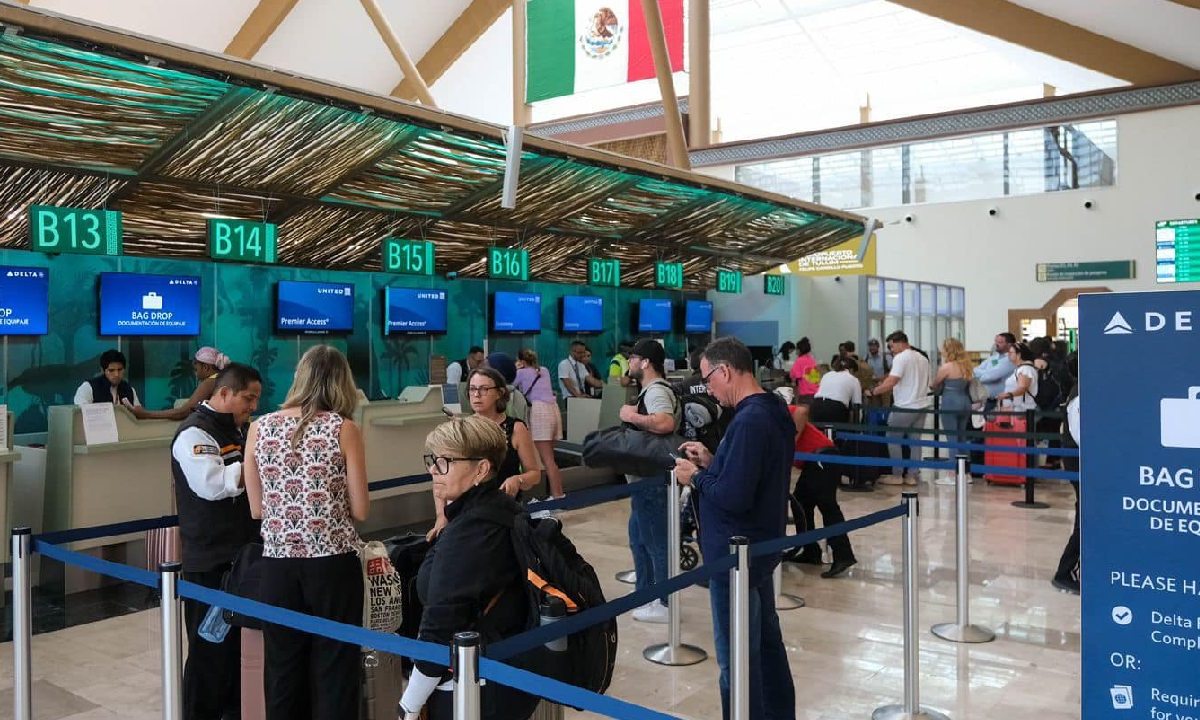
[(383, 607)]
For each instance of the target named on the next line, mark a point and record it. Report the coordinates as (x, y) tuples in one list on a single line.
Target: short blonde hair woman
[(306, 478), (471, 566)]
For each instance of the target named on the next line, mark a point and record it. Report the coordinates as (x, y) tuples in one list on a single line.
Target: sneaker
[(652, 612), (890, 480)]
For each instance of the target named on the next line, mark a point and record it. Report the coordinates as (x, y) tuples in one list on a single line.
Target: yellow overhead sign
[(853, 257)]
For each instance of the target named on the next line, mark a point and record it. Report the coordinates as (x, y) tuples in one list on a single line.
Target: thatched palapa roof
[(90, 117)]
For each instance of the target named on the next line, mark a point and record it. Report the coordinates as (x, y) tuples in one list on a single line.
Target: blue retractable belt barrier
[(1037, 473), (594, 496), (99, 531), (399, 482), (831, 459), (96, 565), (565, 694), (526, 641), (945, 445)]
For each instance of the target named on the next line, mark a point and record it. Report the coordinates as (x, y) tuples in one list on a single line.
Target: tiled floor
[(845, 647)]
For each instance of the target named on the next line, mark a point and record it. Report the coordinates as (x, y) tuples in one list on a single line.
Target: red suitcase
[(997, 457)]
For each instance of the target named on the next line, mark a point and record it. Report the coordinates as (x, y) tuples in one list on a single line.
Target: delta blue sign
[(1139, 401)]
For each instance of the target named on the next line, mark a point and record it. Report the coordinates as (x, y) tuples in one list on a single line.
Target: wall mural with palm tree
[(238, 317)]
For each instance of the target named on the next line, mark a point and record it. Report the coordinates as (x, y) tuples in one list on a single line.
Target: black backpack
[(1053, 387), (554, 567), (702, 418)]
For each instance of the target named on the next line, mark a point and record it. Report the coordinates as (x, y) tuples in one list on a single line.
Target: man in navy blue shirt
[(743, 490)]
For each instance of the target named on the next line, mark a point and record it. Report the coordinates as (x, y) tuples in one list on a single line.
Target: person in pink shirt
[(545, 421), (804, 374)]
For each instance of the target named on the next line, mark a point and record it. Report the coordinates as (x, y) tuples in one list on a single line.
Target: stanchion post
[(172, 641), (674, 652), (466, 676), (739, 630), (937, 426), (22, 609), (962, 631), (1030, 503), (911, 708)]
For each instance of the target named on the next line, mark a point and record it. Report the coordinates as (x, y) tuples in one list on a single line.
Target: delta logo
[(1179, 321)]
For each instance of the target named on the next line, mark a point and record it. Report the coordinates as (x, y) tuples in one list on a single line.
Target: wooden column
[(699, 77), (520, 24), (676, 146), (398, 52)]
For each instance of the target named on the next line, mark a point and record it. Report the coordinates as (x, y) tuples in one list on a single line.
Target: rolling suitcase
[(383, 684), (995, 455)]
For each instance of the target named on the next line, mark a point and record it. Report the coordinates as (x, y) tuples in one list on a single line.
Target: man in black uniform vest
[(214, 523)]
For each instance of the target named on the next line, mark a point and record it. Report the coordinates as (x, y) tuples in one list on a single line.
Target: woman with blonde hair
[(306, 478), (953, 381), (545, 421), (472, 569)]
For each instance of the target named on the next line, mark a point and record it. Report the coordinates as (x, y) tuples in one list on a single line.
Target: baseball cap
[(651, 350)]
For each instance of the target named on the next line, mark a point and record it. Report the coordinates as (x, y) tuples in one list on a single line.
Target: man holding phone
[(743, 490)]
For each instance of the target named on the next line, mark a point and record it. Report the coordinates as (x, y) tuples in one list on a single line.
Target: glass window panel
[(955, 169), (943, 300), (874, 295), (929, 338), (912, 328), (841, 180), (875, 329), (911, 304), (891, 296), (957, 302), (956, 328), (886, 187), (792, 177), (891, 323), (927, 305), (1028, 161)]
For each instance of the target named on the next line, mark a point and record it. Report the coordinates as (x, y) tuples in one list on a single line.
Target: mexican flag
[(578, 45)]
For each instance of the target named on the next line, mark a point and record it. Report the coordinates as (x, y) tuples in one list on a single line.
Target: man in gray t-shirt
[(656, 411)]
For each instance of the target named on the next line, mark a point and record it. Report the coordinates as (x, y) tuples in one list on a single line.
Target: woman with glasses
[(470, 578), (306, 477), (489, 396), (545, 421)]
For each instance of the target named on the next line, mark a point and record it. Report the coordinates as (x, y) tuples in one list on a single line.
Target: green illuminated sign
[(246, 241), (605, 272), (1074, 272), (773, 285), (411, 257), (73, 230), (508, 263), (668, 275), (729, 281), (1177, 251)]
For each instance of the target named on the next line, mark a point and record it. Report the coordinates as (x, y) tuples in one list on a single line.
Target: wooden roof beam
[(259, 26), (479, 16), (1193, 4), (1012, 23)]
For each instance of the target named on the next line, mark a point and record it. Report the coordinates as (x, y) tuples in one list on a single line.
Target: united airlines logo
[(1118, 326)]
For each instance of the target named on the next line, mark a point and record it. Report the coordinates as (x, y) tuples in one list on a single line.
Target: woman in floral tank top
[(306, 478)]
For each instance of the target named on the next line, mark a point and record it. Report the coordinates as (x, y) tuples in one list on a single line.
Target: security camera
[(1087, 204), (837, 278), (1198, 197), (993, 212), (909, 218)]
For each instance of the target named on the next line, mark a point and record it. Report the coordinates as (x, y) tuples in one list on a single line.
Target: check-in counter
[(583, 417), (106, 483)]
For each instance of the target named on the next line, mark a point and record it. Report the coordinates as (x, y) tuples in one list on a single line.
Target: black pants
[(1068, 564), (212, 687), (816, 489), (306, 676)]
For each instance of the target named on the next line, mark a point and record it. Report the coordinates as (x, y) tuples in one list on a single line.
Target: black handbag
[(630, 451), (244, 579)]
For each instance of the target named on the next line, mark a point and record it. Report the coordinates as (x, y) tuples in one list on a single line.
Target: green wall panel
[(238, 315)]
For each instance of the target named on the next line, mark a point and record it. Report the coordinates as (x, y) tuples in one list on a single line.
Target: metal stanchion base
[(665, 654), (963, 633), (1030, 505), (629, 577), (788, 601), (896, 712)]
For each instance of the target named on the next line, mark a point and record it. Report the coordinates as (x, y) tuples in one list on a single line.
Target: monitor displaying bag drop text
[(139, 304)]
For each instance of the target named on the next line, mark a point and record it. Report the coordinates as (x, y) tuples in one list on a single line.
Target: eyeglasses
[(441, 463), (479, 390), (705, 380)]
